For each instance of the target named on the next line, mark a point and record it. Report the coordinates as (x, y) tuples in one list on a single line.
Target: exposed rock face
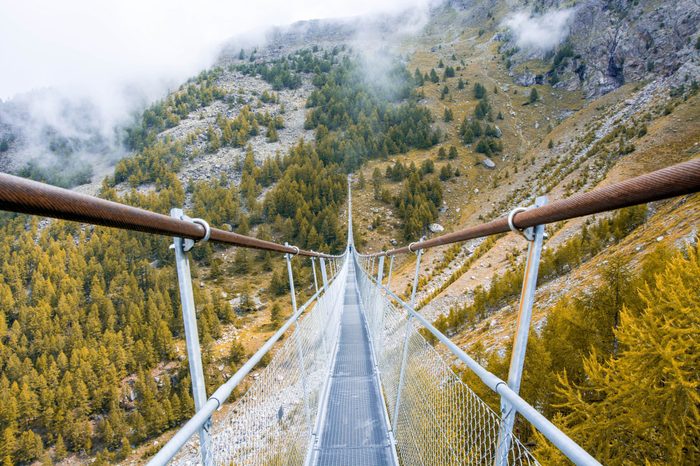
[(619, 41)]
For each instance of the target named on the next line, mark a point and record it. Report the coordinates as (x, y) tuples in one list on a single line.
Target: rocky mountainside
[(610, 43)]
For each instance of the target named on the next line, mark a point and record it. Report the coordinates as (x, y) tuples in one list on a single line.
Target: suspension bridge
[(353, 381)]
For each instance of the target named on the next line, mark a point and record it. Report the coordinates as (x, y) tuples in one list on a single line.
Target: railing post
[(388, 277), (324, 274), (313, 267), (404, 359), (300, 350), (378, 320), (517, 359), (189, 318)]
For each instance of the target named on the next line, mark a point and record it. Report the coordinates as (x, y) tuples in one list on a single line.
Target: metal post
[(313, 267), (300, 350), (189, 318), (517, 359), (324, 275), (404, 359), (388, 277), (379, 320)]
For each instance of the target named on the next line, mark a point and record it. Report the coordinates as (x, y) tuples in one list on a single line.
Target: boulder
[(488, 163), (435, 228)]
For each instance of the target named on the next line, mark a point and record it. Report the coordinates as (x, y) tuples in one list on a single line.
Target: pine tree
[(534, 96), (433, 76), (479, 91), (418, 78), (125, 449), (445, 91), (610, 413), (275, 315), (448, 116), (272, 133), (452, 153), (214, 141), (60, 451), (8, 445)]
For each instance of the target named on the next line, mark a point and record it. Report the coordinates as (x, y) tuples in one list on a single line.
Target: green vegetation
[(471, 129), (534, 96), (355, 120), (65, 173), (417, 203), (286, 72)]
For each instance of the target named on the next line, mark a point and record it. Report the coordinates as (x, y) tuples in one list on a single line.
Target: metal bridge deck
[(353, 429)]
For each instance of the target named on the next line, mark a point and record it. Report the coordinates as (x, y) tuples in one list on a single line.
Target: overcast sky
[(92, 47)]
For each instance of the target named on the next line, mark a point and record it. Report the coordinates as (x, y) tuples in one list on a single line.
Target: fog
[(81, 67), (540, 32)]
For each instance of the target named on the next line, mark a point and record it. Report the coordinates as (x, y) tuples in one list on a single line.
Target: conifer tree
[(433, 76), (272, 133), (452, 153), (214, 141), (448, 116), (610, 413), (534, 96), (479, 91)]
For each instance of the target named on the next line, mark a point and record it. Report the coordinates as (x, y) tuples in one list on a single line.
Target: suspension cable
[(31, 197), (676, 180)]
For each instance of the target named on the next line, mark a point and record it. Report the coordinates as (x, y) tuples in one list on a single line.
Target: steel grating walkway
[(353, 429)]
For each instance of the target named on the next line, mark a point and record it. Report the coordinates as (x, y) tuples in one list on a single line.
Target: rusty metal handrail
[(31, 197), (676, 180)]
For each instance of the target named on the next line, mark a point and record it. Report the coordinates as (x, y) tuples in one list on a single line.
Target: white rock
[(436, 228), (488, 163)]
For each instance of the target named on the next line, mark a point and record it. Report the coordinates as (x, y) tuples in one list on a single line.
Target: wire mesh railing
[(441, 421), (273, 422)]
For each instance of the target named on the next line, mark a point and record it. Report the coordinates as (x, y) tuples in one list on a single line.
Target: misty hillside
[(446, 120)]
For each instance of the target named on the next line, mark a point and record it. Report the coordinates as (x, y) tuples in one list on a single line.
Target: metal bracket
[(187, 243), (527, 233), (416, 242)]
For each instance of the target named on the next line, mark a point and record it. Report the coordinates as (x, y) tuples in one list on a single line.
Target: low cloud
[(540, 32), (79, 67)]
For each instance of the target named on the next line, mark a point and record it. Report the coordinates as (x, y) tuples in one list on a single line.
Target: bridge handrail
[(558, 438), (676, 180), (222, 393), (32, 197)]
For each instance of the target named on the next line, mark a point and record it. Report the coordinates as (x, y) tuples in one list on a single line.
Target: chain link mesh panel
[(272, 423), (441, 421)]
